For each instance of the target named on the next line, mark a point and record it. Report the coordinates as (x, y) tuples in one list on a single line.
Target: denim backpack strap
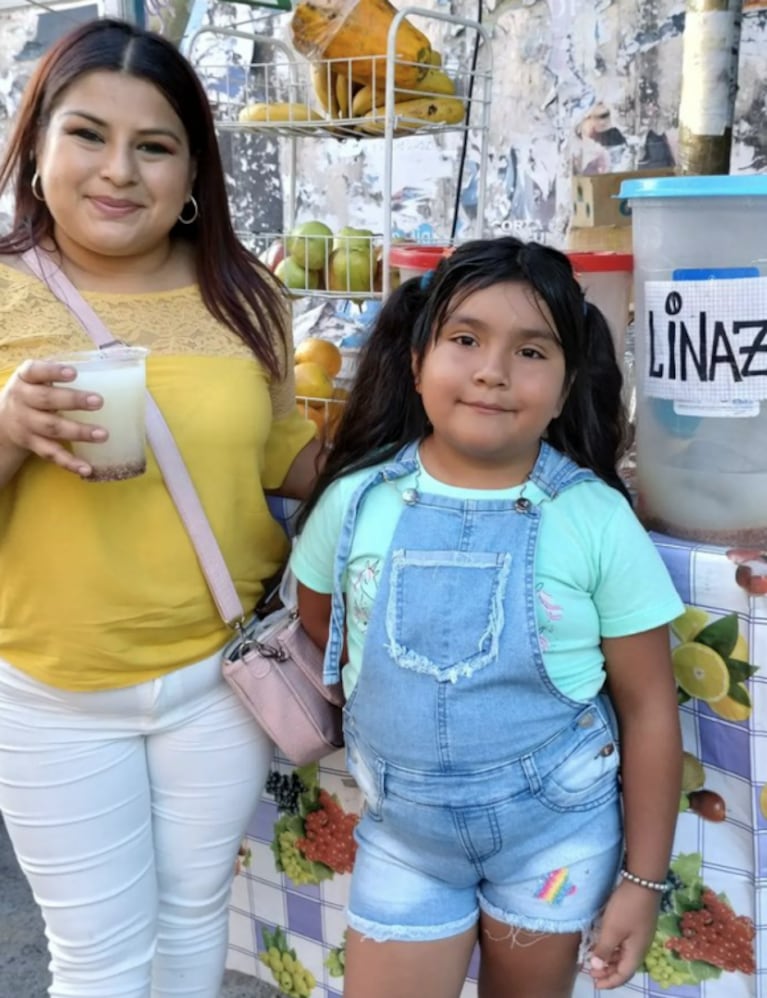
[(404, 463)]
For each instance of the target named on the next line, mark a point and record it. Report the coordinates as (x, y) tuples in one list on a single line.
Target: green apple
[(295, 277), (356, 240), (350, 271), (308, 245)]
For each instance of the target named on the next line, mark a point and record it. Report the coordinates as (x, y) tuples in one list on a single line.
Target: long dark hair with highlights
[(237, 289), (384, 411)]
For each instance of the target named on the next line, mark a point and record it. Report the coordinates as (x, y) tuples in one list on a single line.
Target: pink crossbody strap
[(166, 451)]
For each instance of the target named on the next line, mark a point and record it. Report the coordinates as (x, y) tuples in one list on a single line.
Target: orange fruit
[(333, 417), (326, 414), (313, 381), (325, 418), (318, 351), (317, 416), (335, 410)]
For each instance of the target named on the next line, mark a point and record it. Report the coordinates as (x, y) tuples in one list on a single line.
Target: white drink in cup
[(118, 375)]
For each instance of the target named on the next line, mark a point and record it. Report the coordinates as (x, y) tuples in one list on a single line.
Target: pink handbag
[(272, 664), (276, 670)]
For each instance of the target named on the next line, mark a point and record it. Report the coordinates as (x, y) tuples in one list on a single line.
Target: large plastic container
[(700, 282), (606, 282)]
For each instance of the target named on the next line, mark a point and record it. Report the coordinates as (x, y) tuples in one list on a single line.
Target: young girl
[(471, 531)]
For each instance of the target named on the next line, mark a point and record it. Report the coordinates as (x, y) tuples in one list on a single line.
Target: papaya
[(361, 36)]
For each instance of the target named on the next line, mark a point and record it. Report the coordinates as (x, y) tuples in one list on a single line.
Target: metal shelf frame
[(287, 80)]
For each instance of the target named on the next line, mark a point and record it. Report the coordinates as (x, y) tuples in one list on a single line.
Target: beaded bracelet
[(651, 885)]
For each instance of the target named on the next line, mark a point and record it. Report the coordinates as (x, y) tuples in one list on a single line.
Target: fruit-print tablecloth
[(287, 908)]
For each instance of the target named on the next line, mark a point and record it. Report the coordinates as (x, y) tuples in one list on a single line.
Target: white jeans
[(126, 809)]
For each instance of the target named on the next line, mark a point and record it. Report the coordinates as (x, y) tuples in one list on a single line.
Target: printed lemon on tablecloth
[(700, 671), (689, 623), (731, 709), (710, 655), (740, 651)]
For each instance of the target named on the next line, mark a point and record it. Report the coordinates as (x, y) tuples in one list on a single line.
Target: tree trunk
[(709, 84)]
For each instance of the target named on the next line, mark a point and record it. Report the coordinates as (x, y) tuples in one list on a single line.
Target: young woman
[(128, 770), (473, 534)]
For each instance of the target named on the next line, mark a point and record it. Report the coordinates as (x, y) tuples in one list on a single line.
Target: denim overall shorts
[(485, 787)]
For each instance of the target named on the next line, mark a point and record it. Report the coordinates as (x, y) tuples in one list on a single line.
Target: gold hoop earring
[(35, 185), (195, 209)]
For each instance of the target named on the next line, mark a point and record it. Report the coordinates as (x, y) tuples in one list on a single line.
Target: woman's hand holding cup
[(33, 414)]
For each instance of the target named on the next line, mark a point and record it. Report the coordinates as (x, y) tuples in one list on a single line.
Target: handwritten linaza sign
[(706, 344)]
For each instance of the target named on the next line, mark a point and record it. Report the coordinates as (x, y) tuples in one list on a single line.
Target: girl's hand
[(624, 935), (31, 419)]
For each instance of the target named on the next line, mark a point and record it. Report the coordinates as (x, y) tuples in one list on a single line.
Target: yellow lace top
[(99, 585)]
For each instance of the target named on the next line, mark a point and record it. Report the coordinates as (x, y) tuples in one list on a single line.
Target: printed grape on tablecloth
[(287, 910)]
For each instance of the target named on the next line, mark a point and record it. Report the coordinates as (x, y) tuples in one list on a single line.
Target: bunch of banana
[(436, 83), (333, 90), (430, 101), (279, 112), (325, 86), (345, 90), (340, 96), (412, 114)]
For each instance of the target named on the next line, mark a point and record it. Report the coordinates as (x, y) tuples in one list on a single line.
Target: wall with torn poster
[(595, 88), (750, 132), (577, 87), (26, 31)]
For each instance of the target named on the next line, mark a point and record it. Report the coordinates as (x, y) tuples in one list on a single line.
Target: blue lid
[(741, 185)]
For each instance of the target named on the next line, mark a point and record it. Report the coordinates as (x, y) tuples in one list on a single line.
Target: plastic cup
[(118, 374)]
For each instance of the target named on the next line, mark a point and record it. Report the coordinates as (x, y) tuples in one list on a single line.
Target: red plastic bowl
[(415, 258)]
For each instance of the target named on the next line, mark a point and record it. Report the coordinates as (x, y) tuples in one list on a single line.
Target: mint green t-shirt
[(597, 572)]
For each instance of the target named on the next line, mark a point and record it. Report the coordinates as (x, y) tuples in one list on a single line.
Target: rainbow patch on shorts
[(555, 887)]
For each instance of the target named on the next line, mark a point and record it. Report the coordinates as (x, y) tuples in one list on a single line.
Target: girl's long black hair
[(384, 411)]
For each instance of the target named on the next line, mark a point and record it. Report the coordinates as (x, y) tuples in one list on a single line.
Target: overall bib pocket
[(467, 590)]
